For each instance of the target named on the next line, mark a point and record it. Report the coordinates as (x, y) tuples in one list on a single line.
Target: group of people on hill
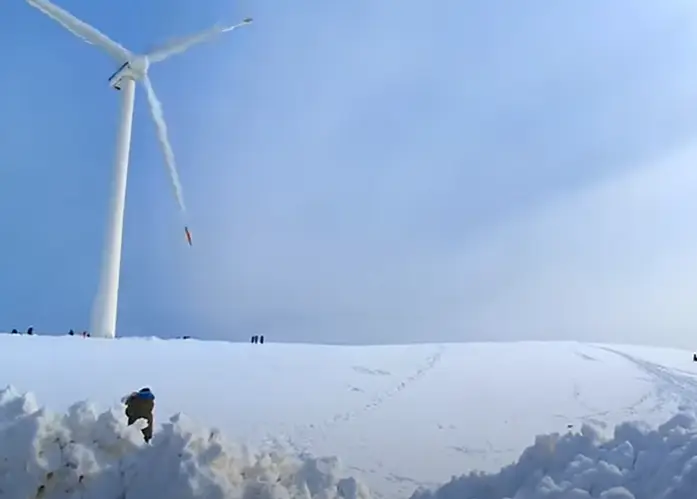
[(30, 331), (84, 334)]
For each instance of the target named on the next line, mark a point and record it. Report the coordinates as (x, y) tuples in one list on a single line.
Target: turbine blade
[(161, 128), (81, 29), (182, 44)]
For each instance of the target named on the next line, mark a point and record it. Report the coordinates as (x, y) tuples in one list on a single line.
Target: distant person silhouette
[(261, 339), (30, 331), (71, 332)]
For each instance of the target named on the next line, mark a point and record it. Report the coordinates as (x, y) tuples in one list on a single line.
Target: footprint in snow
[(373, 372)]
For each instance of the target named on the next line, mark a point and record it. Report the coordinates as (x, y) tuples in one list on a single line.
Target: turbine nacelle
[(136, 69)]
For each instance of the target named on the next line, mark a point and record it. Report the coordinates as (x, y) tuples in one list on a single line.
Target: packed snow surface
[(398, 418)]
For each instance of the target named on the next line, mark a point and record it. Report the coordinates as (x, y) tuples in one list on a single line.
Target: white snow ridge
[(96, 456), (637, 463)]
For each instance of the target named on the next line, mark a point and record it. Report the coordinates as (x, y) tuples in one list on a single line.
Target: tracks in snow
[(669, 387), (303, 437), (672, 386)]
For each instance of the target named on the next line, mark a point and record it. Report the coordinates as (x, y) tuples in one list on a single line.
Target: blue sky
[(363, 171)]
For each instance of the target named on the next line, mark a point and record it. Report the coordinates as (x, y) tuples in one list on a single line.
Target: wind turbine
[(133, 68)]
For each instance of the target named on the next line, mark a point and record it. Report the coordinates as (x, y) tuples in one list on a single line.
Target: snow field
[(400, 418)]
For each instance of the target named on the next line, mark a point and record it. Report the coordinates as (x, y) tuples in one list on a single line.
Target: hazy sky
[(363, 171)]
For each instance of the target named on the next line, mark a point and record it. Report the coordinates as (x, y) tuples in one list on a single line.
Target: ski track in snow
[(671, 386), (666, 387), (303, 437), (594, 414)]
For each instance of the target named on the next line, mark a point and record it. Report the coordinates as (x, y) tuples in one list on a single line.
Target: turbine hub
[(139, 67)]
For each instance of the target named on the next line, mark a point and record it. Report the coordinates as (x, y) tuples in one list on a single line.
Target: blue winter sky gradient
[(363, 171)]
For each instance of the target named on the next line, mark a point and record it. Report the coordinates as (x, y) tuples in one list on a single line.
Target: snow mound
[(637, 463), (92, 455)]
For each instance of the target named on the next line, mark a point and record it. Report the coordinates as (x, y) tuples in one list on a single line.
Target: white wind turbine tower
[(133, 68)]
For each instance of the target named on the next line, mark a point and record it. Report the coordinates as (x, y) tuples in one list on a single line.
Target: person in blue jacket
[(141, 405)]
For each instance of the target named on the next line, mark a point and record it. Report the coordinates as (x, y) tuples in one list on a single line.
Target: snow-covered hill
[(398, 417)]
